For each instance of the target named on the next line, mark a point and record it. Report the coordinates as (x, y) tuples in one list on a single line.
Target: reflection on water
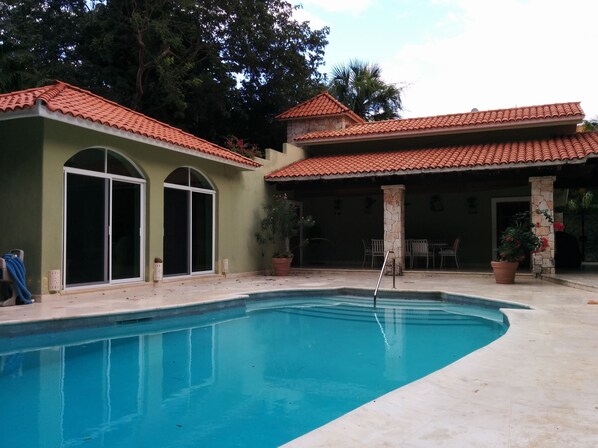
[(259, 379), (74, 394)]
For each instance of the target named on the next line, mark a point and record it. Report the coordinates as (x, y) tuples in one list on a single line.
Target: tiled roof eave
[(20, 112), (349, 114), (39, 110), (498, 166), (305, 139)]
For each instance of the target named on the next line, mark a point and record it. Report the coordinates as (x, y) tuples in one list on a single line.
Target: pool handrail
[(381, 274)]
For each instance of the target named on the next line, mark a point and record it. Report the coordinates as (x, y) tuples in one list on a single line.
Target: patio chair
[(377, 250), (420, 249), (367, 251), (453, 251), (408, 251)]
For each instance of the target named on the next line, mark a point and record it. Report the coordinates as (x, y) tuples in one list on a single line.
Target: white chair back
[(419, 248), (377, 247), (452, 252), (408, 248)]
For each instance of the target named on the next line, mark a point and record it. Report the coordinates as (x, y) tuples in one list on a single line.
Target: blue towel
[(16, 269)]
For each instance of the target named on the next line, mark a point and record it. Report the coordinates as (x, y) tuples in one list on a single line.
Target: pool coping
[(61, 323)]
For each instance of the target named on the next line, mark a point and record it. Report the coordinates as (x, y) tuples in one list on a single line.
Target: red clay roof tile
[(496, 155), (501, 117), (321, 105), (69, 100)]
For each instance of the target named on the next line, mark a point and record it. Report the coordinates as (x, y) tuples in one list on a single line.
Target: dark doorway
[(505, 211)]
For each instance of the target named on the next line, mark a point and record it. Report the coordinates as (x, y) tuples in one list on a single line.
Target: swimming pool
[(258, 372)]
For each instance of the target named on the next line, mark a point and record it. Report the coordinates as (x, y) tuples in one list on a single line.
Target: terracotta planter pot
[(281, 266), (504, 271)]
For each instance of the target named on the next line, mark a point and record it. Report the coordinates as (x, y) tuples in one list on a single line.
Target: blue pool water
[(255, 375)]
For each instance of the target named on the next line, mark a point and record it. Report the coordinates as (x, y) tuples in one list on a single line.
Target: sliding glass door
[(86, 221), (103, 220), (202, 218), (176, 231), (188, 224), (126, 230)]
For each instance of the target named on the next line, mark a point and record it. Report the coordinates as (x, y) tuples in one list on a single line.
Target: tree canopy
[(359, 86), (211, 67)]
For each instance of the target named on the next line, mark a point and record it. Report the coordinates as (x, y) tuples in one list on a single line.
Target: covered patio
[(435, 178), (474, 207)]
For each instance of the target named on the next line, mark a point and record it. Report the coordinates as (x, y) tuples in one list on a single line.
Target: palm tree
[(359, 86), (589, 125)]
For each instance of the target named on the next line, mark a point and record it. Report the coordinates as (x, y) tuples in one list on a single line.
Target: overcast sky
[(454, 55)]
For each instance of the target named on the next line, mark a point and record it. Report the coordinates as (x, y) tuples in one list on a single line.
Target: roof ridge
[(327, 96), (17, 92), (314, 98), (477, 112), (461, 120), (52, 91), (61, 86), (61, 98), (114, 103), (344, 107)]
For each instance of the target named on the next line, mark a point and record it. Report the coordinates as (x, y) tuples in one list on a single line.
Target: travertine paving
[(537, 386)]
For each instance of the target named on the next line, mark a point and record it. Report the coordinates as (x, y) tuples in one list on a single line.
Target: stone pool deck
[(537, 386)]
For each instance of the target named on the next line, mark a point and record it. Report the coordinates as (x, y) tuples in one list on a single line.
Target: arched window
[(104, 197), (189, 205)]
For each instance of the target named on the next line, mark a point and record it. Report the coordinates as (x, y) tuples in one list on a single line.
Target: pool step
[(366, 315)]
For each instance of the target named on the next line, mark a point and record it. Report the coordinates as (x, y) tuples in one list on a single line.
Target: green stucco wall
[(33, 152), (21, 197)]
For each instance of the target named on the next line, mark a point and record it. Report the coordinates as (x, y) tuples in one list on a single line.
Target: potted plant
[(281, 223), (516, 242)]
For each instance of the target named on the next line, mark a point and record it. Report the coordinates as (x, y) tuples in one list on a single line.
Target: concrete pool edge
[(14, 328)]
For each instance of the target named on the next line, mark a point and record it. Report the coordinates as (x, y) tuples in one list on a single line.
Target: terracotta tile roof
[(321, 105), (491, 118), (69, 100), (453, 158)]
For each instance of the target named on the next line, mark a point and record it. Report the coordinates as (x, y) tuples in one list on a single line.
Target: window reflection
[(96, 390)]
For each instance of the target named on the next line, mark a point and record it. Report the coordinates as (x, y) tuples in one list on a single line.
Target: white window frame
[(190, 205), (142, 230)]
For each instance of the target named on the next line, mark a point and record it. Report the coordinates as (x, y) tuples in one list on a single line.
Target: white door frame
[(110, 177)]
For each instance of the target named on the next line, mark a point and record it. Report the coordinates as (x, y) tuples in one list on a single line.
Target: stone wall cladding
[(543, 199), (299, 127), (394, 222)]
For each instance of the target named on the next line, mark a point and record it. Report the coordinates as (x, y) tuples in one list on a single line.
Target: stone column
[(542, 199), (394, 221)]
